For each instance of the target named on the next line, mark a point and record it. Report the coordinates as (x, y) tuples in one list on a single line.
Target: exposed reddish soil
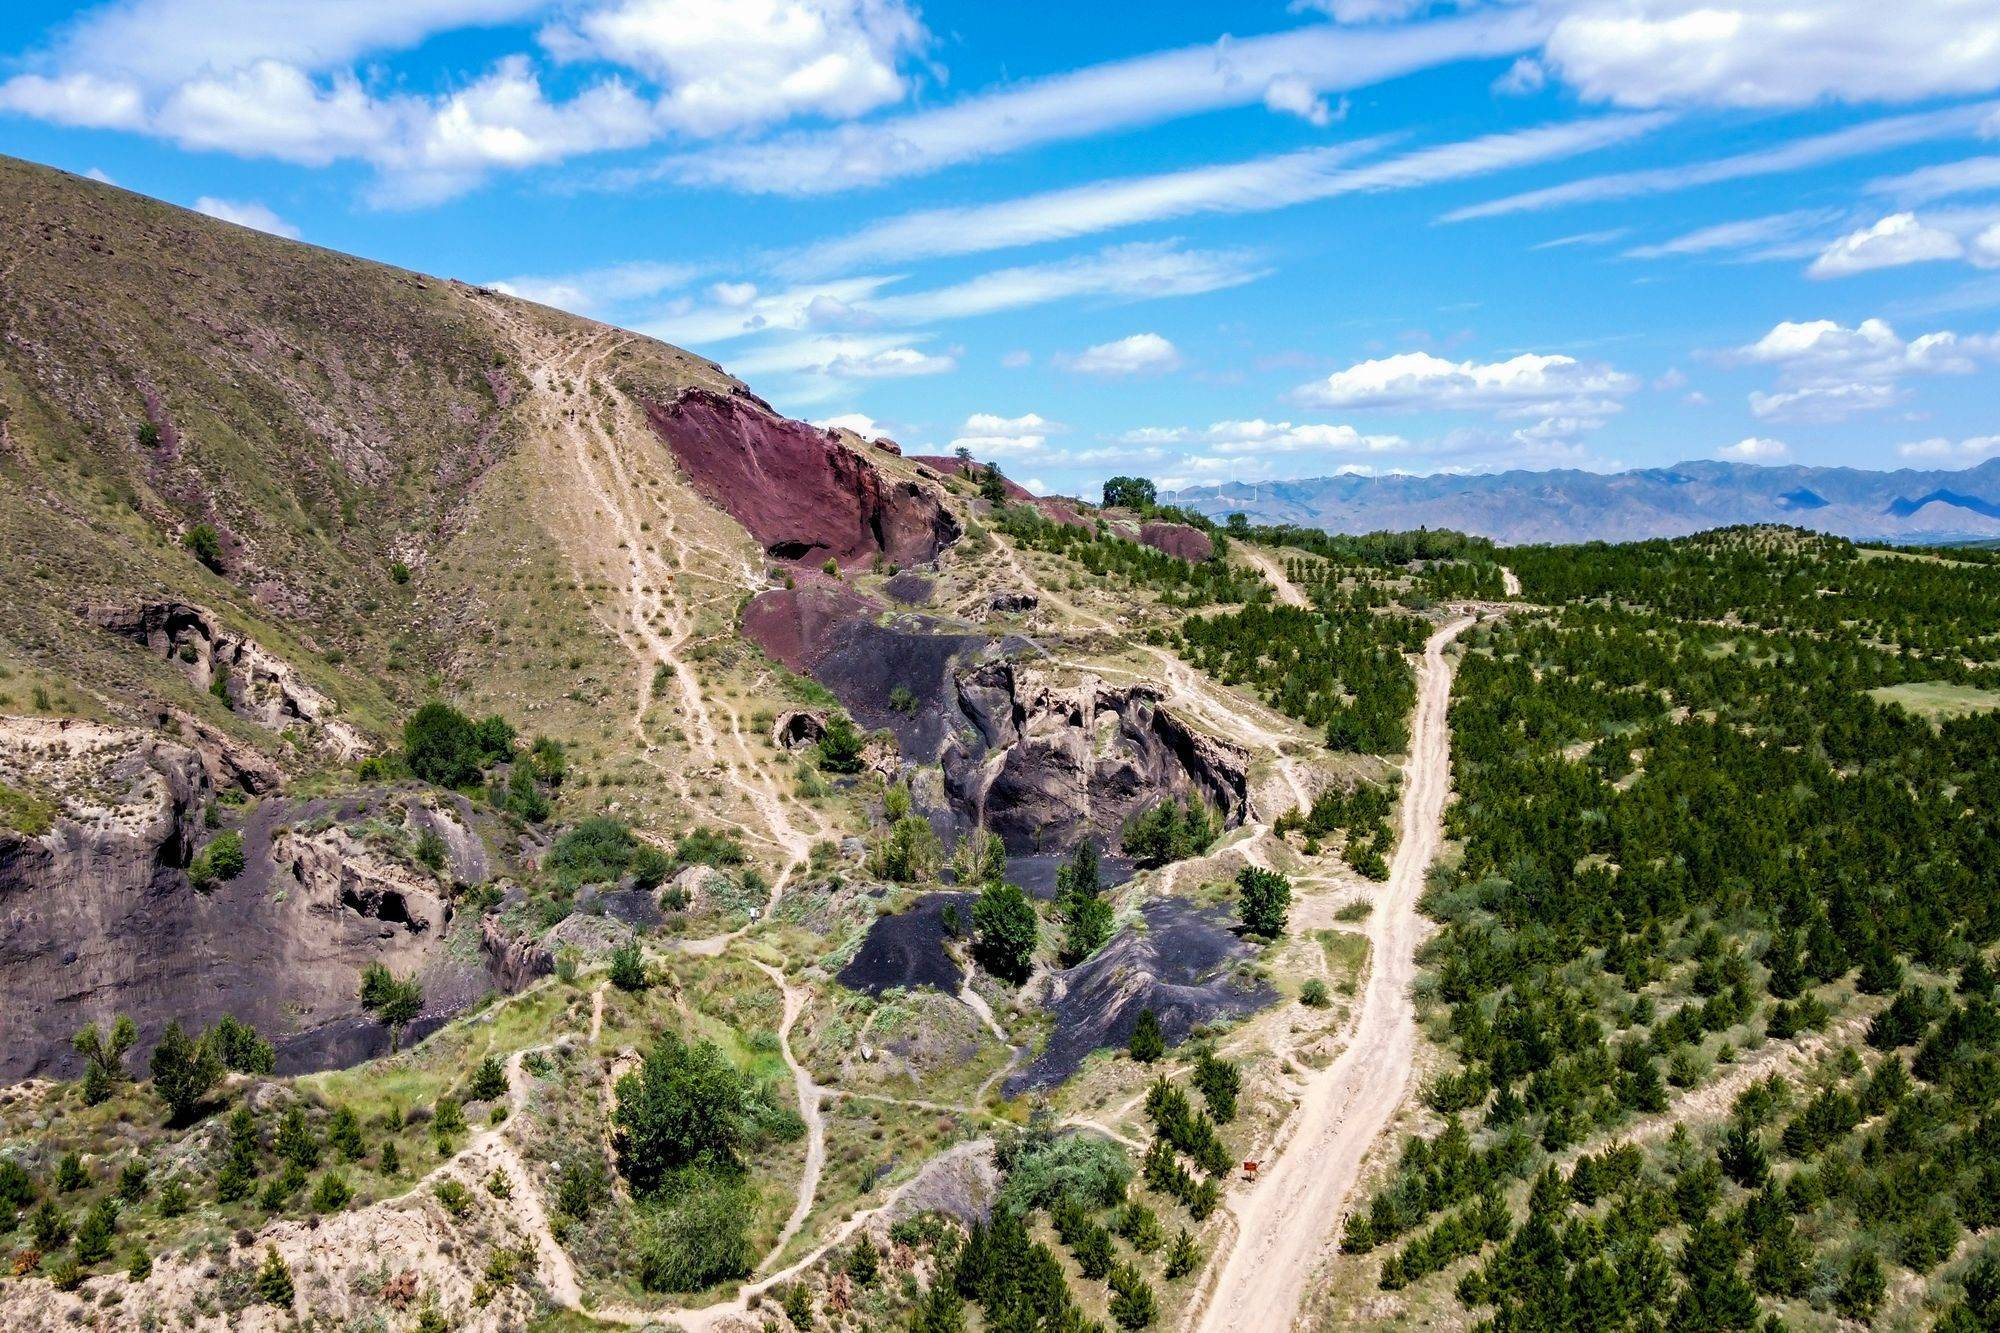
[(1177, 539), (801, 493), (798, 626), (953, 466), (1055, 507)]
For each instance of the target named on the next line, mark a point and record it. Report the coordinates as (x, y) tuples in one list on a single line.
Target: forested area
[(1345, 672), (1690, 840), (1782, 579)]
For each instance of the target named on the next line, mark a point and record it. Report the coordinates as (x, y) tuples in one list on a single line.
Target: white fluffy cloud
[(247, 213), (1894, 241), (1290, 95), (989, 435), (1262, 437), (1138, 354), (1754, 449), (726, 65), (859, 422), (1828, 371), (890, 363), (265, 79), (1971, 234), (1525, 385), (1773, 53), (1938, 449)]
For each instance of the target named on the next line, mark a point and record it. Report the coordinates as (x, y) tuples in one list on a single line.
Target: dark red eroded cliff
[(802, 494)]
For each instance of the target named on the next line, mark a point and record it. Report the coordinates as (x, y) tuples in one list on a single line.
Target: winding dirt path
[(1284, 1220), (1510, 582), (811, 1098), (1273, 571)]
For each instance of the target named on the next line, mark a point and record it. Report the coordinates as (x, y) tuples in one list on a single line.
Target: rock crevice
[(1044, 764), (253, 682)]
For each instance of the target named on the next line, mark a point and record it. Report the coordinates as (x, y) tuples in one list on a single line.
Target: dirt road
[(1286, 1220)]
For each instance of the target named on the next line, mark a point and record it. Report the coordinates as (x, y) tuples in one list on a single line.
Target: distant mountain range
[(1569, 505)]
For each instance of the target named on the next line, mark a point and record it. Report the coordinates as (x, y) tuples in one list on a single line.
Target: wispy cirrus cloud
[(595, 291), (1772, 236), (1100, 99), (1258, 185), (1870, 137), (1941, 180)]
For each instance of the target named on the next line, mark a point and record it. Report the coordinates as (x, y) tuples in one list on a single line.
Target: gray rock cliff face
[(98, 916), (1047, 764), (254, 683)]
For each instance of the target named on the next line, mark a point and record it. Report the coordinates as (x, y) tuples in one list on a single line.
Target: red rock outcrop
[(1056, 508), (953, 466), (802, 494), (797, 626), (1177, 539)]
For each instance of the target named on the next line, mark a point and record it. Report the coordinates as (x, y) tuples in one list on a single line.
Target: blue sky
[(1202, 242)]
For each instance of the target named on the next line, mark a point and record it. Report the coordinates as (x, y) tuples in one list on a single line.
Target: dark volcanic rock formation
[(1187, 966), (1045, 765), (908, 950), (1037, 764), (831, 633), (796, 489), (98, 917)]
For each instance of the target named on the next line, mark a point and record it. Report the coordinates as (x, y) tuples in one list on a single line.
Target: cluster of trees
[(73, 1222), (685, 1119), (1080, 902), (441, 745), (1346, 673), (1783, 579), (1362, 813), (1263, 900), (396, 1002), (186, 1068), (1018, 1282), (1438, 564), (1170, 830)]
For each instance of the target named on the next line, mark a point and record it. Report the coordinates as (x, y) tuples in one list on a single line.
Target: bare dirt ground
[(1285, 1220), (1273, 569)]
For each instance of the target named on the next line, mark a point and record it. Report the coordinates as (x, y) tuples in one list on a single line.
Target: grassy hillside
[(335, 422)]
